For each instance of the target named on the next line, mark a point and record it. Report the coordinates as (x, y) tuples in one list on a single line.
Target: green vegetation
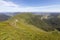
[(28, 27)]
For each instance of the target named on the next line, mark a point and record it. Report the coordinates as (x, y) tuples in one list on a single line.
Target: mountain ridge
[(28, 26)]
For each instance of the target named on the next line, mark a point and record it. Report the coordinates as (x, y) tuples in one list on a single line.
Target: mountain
[(10, 13), (4, 17), (17, 29), (45, 22), (28, 26)]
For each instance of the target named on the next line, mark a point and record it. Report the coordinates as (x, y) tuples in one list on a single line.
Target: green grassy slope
[(19, 32), (33, 19), (19, 28)]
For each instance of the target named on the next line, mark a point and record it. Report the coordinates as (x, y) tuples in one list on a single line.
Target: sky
[(29, 5)]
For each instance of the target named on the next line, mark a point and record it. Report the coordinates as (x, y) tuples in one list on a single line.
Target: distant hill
[(10, 13), (4, 17)]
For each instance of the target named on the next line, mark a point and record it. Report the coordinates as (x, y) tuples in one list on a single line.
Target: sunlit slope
[(19, 28), (19, 31), (32, 19)]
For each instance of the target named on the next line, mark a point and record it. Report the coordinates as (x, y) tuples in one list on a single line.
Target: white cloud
[(12, 7), (5, 3), (8, 6), (51, 8)]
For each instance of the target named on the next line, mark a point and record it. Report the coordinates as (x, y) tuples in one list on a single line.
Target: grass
[(24, 31)]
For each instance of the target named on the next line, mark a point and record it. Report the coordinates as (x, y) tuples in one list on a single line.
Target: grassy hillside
[(32, 19), (26, 27)]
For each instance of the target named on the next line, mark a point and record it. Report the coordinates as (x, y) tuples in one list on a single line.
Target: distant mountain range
[(4, 17), (7, 15)]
